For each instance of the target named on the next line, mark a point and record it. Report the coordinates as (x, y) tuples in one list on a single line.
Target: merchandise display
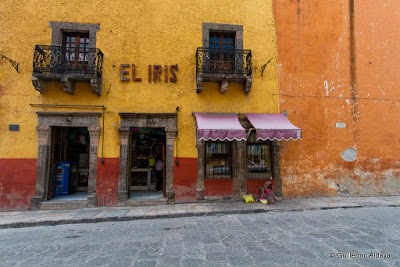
[(146, 145), (70, 161)]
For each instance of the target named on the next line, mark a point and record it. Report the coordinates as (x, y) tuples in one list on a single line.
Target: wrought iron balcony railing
[(219, 61), (62, 60)]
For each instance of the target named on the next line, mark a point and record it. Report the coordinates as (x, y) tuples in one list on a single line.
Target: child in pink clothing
[(267, 192)]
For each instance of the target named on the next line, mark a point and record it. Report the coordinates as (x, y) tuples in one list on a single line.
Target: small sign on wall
[(13, 127), (340, 125)]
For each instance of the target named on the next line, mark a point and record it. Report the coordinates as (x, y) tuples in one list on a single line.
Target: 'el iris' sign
[(155, 71)]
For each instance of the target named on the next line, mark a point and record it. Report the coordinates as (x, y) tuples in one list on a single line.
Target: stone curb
[(179, 215)]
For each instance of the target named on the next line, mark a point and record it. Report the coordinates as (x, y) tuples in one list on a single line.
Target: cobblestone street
[(356, 237)]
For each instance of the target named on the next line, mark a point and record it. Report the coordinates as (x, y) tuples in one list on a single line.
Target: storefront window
[(218, 160), (258, 159)]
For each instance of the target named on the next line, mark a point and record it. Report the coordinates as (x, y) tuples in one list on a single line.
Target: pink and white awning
[(273, 127), (219, 126)]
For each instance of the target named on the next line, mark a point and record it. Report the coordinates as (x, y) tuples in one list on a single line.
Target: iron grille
[(220, 61), (62, 60), (218, 160), (259, 160)]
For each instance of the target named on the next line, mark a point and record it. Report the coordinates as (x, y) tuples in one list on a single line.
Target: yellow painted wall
[(139, 32)]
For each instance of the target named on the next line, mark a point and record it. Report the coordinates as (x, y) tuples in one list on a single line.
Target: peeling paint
[(349, 155), (348, 62)]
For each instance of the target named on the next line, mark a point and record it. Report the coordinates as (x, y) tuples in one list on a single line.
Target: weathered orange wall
[(324, 79), (107, 182), (185, 179), (218, 187), (17, 183)]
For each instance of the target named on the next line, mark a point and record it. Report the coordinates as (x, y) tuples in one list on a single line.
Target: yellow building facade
[(99, 81)]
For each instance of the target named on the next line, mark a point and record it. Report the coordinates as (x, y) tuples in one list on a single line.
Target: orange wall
[(324, 79), (218, 187), (17, 183), (185, 179), (107, 182)]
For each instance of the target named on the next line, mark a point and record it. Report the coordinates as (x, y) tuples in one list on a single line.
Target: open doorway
[(69, 163), (147, 163)]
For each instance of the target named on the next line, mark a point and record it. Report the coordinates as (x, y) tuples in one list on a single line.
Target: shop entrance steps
[(146, 202), (63, 205)]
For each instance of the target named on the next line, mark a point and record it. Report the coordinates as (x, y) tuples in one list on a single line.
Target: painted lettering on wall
[(154, 73)]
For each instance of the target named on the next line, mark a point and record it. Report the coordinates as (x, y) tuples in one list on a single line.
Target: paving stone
[(173, 250), (220, 264), (236, 252), (98, 261), (359, 244), (216, 248), (260, 256), (192, 262), (145, 263), (227, 240), (216, 256), (210, 240), (118, 262), (394, 241), (241, 261), (390, 249), (169, 261)]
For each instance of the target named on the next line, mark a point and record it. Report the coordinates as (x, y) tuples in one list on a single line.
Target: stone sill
[(223, 79), (39, 81)]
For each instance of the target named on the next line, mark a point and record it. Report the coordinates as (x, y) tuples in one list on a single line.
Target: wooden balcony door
[(76, 46), (222, 53)]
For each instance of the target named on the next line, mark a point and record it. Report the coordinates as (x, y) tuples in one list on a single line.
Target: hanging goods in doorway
[(146, 150)]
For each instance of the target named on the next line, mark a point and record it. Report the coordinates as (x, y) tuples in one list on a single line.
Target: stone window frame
[(168, 121), (47, 120), (219, 27), (59, 27)]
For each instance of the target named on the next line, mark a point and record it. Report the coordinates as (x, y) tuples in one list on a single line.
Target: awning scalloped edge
[(277, 139), (223, 139)]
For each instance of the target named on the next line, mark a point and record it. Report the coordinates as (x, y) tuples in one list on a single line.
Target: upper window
[(226, 36), (218, 160), (76, 46), (222, 56), (223, 41)]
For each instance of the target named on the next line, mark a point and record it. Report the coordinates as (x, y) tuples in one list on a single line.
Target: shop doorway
[(69, 164), (147, 163)]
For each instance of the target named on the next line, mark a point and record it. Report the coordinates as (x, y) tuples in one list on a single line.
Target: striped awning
[(219, 126)]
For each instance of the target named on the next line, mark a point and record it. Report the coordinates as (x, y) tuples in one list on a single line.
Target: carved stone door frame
[(46, 120), (168, 121)]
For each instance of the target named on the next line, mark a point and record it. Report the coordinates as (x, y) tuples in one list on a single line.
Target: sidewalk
[(18, 219)]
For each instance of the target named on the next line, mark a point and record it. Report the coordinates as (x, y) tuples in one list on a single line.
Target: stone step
[(146, 202), (63, 205)]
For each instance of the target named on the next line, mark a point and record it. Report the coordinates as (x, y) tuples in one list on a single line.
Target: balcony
[(67, 65), (224, 66)]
